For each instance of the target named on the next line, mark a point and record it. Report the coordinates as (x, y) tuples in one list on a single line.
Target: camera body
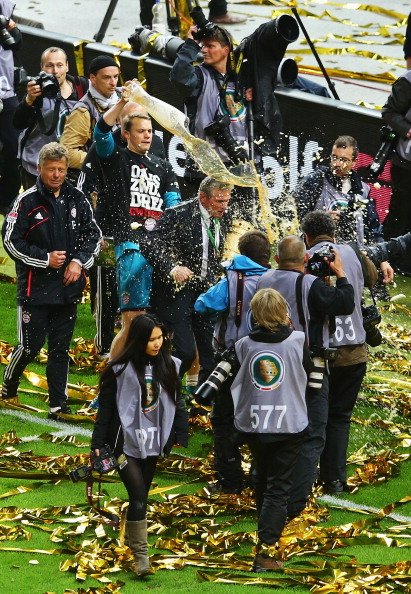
[(220, 131), (103, 463), (320, 356), (206, 392), (371, 317), (6, 40), (205, 28), (48, 83), (318, 264)]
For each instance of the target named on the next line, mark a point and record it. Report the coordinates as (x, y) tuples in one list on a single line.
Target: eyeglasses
[(343, 160)]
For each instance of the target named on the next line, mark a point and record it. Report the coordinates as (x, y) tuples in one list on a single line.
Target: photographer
[(141, 417), (10, 42), (42, 113), (270, 413), (338, 190), (210, 91), (313, 305), (230, 299), (349, 337)]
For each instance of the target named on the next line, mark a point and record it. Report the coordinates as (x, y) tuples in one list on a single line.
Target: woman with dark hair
[(141, 416)]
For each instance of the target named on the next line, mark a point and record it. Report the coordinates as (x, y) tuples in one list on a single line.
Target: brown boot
[(136, 534), (263, 563)]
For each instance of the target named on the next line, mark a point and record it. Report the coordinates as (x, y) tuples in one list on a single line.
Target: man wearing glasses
[(338, 190)]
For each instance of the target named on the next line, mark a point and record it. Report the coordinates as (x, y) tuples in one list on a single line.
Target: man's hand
[(57, 259), (387, 272), (181, 274), (336, 265), (190, 32), (33, 91), (72, 273)]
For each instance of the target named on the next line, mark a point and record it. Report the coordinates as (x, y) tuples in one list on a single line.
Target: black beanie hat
[(100, 62)]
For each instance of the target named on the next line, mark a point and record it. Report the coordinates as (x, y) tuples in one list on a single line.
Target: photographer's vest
[(269, 390), (403, 147), (349, 330), (32, 140), (351, 220), (238, 322), (145, 431), (285, 282), (6, 57), (209, 106)]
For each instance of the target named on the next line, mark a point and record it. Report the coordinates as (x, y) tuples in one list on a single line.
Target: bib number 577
[(261, 414)]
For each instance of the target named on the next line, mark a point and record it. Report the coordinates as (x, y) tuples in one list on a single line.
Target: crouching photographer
[(43, 110), (349, 338)]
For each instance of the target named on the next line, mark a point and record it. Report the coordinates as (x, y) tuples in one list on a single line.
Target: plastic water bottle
[(159, 18)]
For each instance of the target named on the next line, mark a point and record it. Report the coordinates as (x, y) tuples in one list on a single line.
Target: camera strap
[(299, 299), (239, 298), (111, 519)]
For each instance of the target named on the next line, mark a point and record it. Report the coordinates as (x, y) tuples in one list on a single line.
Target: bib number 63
[(261, 413)]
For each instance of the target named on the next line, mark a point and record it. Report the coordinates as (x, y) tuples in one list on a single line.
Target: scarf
[(103, 102)]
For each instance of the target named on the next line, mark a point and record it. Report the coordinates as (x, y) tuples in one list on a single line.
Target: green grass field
[(47, 525)]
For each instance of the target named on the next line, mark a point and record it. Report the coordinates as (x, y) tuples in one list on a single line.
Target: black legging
[(137, 476)]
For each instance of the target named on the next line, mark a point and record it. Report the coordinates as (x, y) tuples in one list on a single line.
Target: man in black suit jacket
[(185, 251)]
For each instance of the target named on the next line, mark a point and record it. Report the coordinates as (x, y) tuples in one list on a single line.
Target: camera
[(206, 392), (49, 84), (204, 27), (388, 141), (393, 250), (103, 463), (318, 265), (145, 40), (6, 40), (220, 131), (320, 358), (371, 317)]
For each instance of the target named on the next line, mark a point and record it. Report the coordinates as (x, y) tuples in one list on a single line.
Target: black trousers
[(137, 476), (306, 468), (104, 300), (274, 464), (192, 332), (227, 455), (35, 324), (9, 136), (345, 383)]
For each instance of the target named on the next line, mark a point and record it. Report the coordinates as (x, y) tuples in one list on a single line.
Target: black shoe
[(335, 487), (9, 390), (56, 415), (217, 488)]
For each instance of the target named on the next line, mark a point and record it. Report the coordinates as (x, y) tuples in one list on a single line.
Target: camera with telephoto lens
[(6, 40), (103, 463), (144, 40), (204, 27), (48, 83), (389, 140), (320, 358), (219, 130), (371, 317), (318, 264), (206, 392)]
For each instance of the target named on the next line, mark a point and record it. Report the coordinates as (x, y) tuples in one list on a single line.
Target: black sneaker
[(336, 487), (56, 415)]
